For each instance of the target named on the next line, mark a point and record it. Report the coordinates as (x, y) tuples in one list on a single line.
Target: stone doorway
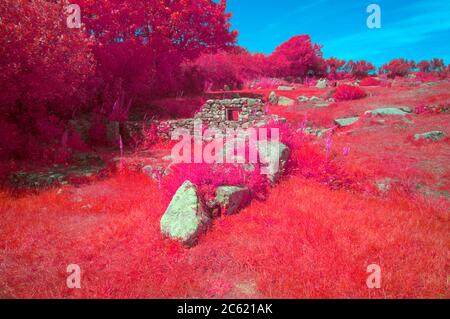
[(232, 115)]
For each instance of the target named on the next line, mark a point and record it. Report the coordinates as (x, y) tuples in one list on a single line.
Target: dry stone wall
[(222, 114)]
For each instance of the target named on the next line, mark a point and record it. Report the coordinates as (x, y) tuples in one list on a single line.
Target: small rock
[(322, 84), (232, 198), (286, 88), (268, 153), (155, 172), (273, 98), (322, 132), (407, 109), (384, 185), (186, 217), (285, 101), (314, 99), (167, 158), (303, 99), (324, 104), (343, 122), (433, 135), (386, 112)]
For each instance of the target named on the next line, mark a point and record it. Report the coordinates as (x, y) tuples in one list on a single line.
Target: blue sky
[(414, 29)]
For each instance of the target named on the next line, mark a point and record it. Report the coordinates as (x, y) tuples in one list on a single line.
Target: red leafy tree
[(297, 58), (144, 42), (359, 69), (44, 68), (424, 66), (125, 50), (432, 70), (397, 67), (437, 65), (224, 69), (334, 68)]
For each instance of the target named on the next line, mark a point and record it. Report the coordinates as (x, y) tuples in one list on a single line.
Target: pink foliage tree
[(298, 58), (397, 67), (44, 71), (359, 69)]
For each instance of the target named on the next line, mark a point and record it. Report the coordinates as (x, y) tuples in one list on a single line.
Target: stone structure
[(223, 114)]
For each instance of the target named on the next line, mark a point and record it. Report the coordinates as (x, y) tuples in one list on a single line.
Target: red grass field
[(305, 240)]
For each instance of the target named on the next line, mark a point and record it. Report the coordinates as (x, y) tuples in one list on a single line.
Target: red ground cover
[(326, 239)]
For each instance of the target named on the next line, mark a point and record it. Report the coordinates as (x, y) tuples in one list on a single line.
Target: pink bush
[(370, 81), (348, 92), (426, 77)]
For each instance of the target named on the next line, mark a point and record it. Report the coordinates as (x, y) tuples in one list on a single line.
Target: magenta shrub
[(348, 92)]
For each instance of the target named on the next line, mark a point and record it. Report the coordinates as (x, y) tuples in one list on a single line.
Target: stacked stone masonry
[(223, 114)]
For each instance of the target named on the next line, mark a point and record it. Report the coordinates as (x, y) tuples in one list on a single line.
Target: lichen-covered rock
[(303, 99), (433, 135), (186, 217), (387, 111), (273, 98), (285, 101), (384, 185), (407, 109), (273, 156), (343, 122), (286, 88), (322, 84), (321, 104), (231, 199)]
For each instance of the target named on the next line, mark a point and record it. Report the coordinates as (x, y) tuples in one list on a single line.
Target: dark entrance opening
[(232, 115)]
